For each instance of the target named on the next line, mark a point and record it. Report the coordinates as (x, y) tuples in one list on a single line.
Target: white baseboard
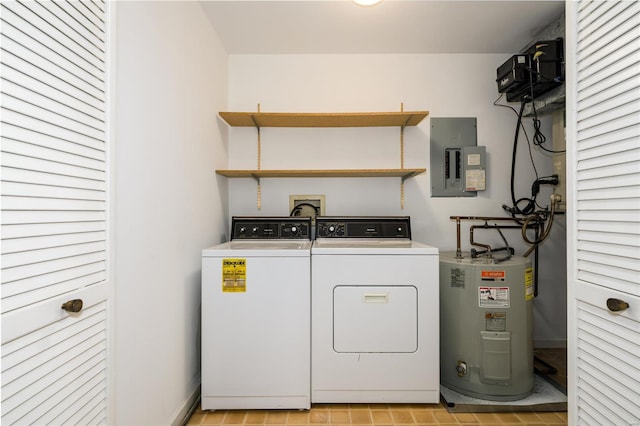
[(187, 409)]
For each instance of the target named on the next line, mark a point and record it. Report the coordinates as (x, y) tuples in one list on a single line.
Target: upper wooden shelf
[(257, 174), (338, 119)]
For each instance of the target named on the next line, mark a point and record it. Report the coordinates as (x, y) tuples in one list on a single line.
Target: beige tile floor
[(391, 414), (374, 414)]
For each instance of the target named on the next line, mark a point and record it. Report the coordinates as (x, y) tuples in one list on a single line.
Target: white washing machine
[(375, 313), (256, 313)]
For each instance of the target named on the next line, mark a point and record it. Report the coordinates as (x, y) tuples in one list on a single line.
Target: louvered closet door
[(54, 225), (604, 249)]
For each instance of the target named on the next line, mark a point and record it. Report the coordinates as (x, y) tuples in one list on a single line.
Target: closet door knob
[(74, 305), (616, 305)]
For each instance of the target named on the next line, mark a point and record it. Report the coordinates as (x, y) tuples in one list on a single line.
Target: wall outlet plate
[(307, 205)]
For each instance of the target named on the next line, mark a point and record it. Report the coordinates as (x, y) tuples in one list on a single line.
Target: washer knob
[(294, 229), (332, 228), (254, 229)]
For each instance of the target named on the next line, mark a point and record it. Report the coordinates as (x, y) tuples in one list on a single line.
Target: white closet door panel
[(21, 203), (52, 167), (78, 101), (603, 131), (15, 352), (53, 217), (35, 177), (48, 191), (612, 204), (592, 96), (37, 269), (20, 323), (626, 169), (73, 34), (48, 241), (613, 216), (46, 63), (43, 229), (53, 155), (619, 108), (618, 121), (86, 25), (607, 358), (614, 141), (625, 192), (35, 39), (73, 115), (618, 227), (14, 118), (85, 13), (37, 112), (620, 25), (608, 183), (16, 260), (60, 38), (58, 365), (606, 272), (28, 72), (32, 291), (623, 103), (612, 249), (52, 357)]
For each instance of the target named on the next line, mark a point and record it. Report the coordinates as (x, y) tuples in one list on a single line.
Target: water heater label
[(457, 277), (492, 275), (493, 297), (496, 321), (234, 275), (528, 284)]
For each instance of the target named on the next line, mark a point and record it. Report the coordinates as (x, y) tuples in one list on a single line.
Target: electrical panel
[(458, 165)]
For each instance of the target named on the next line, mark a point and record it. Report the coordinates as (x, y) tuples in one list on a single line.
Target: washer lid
[(263, 248), (372, 246)]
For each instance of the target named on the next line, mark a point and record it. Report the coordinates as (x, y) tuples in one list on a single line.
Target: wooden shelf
[(257, 174), (340, 119)]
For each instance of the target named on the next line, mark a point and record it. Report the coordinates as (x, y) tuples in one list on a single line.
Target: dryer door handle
[(375, 298)]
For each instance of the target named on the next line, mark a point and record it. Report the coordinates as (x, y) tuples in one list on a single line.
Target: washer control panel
[(363, 227), (270, 228)]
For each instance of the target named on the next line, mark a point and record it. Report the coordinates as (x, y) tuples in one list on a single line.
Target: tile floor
[(374, 414), (391, 414)]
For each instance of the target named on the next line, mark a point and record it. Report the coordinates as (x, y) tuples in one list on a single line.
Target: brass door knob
[(616, 305), (74, 305)]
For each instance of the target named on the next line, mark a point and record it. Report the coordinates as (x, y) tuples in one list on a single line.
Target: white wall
[(169, 204), (445, 85)]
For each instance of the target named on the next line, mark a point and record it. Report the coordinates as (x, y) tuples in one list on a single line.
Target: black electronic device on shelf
[(537, 70)]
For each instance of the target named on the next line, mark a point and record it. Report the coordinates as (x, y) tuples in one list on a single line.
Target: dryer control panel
[(390, 227), (270, 228)]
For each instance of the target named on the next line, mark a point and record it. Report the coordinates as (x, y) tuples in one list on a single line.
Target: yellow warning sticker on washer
[(234, 275), (528, 284)]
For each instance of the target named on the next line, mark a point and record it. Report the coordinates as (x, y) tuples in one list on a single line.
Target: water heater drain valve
[(461, 368)]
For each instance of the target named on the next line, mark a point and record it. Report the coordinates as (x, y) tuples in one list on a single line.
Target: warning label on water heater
[(493, 297)]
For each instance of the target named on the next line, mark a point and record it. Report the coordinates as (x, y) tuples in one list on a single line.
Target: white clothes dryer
[(256, 316), (375, 313)]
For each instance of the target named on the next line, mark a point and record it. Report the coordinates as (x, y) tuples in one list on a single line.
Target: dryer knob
[(254, 229), (332, 228), (294, 229)]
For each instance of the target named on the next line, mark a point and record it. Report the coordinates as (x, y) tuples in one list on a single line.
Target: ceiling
[(393, 26)]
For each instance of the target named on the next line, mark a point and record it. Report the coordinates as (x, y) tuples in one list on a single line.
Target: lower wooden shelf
[(257, 174)]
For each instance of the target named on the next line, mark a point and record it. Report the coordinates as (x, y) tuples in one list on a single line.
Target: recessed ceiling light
[(367, 2)]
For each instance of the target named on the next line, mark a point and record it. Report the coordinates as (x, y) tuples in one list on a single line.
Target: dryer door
[(379, 319)]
